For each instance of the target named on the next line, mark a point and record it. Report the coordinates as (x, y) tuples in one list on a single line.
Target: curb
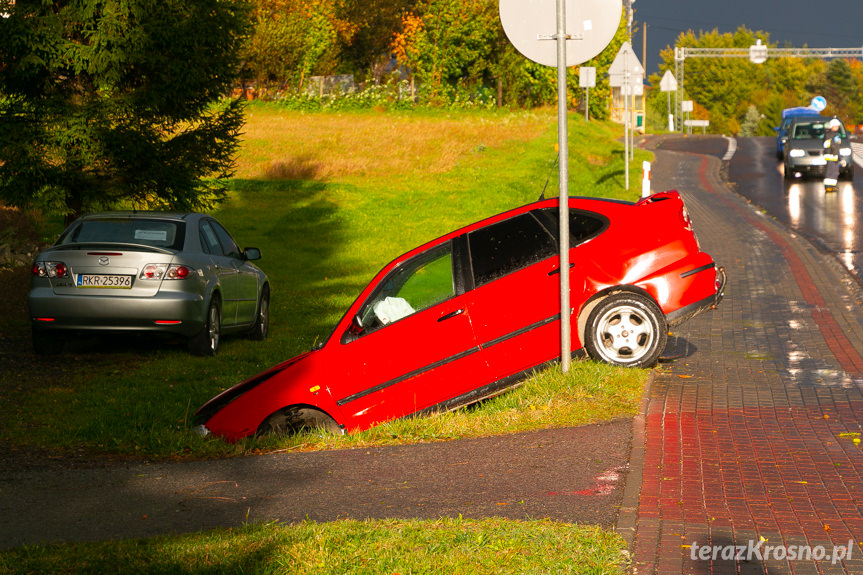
[(628, 514)]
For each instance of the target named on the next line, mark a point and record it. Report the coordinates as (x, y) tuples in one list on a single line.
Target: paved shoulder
[(572, 475), (749, 436)]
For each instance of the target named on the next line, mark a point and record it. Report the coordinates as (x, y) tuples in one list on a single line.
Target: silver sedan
[(179, 274)]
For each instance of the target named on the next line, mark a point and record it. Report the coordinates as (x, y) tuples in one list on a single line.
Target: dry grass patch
[(596, 160), (284, 144)]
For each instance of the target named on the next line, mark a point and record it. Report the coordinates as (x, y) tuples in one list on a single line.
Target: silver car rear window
[(156, 233)]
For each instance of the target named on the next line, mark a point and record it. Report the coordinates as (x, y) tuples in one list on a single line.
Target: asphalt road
[(572, 475), (833, 221)]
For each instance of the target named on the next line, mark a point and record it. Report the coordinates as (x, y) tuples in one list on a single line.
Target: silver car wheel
[(626, 329), (207, 341), (214, 328), (261, 327)]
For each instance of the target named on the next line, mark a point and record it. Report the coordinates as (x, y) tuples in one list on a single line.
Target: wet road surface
[(833, 221), (750, 441)]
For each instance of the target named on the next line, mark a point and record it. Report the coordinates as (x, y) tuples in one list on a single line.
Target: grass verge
[(445, 546), (590, 393)]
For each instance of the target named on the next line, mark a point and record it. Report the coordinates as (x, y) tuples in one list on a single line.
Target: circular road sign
[(818, 103), (531, 26)]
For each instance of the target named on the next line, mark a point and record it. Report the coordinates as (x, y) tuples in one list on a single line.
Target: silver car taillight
[(165, 271), (50, 270)]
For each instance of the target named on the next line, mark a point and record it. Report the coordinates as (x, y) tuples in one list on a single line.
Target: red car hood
[(217, 403)]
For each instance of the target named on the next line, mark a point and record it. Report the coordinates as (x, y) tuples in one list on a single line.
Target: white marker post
[(645, 179)]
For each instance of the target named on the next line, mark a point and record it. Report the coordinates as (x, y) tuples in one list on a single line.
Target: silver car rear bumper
[(50, 311)]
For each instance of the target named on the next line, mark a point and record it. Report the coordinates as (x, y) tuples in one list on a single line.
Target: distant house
[(635, 107)]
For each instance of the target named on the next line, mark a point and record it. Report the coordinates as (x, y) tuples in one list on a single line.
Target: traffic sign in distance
[(758, 53), (587, 77), (668, 82)]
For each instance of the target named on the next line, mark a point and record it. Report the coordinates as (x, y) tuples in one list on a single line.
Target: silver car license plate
[(104, 281)]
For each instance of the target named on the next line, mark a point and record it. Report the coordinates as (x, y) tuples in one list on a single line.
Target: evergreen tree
[(749, 126), (839, 86), (118, 103)]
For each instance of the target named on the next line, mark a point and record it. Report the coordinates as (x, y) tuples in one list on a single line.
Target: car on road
[(159, 273), (789, 115), (471, 313), (804, 149)]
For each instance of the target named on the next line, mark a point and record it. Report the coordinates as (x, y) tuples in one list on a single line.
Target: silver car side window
[(229, 246), (209, 240)]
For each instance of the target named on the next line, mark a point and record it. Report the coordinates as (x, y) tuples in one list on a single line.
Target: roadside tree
[(448, 45), (118, 103), (366, 53), (294, 39), (838, 86)]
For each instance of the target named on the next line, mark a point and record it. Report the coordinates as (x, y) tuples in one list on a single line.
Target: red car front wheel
[(296, 419)]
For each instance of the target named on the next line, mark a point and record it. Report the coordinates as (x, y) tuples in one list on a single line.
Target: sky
[(790, 23)]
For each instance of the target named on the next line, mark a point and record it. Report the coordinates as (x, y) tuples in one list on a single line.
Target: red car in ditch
[(471, 313)]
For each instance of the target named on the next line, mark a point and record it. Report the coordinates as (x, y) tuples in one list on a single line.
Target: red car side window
[(582, 225), (507, 246), (417, 284)]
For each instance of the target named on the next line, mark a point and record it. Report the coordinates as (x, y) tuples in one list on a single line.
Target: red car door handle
[(450, 315), (557, 270)]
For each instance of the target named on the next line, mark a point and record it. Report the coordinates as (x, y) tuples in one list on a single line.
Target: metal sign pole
[(586, 104), (563, 163), (624, 90), (524, 24)]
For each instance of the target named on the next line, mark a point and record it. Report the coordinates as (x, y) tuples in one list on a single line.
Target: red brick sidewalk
[(747, 451)]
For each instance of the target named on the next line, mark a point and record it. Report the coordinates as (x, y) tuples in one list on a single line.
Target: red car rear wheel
[(626, 329)]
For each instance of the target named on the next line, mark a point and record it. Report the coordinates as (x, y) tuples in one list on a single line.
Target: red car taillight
[(684, 215), (50, 270), (687, 224)]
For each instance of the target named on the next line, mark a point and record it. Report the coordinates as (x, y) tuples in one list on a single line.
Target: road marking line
[(732, 147)]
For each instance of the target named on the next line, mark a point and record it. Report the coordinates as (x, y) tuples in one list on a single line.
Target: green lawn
[(330, 199)]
